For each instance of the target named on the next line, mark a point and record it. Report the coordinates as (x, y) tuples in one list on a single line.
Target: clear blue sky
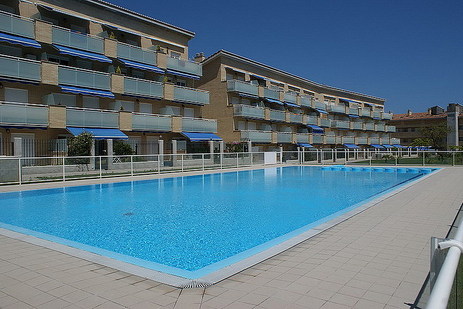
[(408, 52)]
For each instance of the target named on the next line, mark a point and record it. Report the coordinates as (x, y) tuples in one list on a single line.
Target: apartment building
[(89, 66), (269, 108), (410, 124)]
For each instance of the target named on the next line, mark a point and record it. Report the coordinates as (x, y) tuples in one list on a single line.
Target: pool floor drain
[(128, 214)]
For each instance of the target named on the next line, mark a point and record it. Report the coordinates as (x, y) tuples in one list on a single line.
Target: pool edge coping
[(220, 274)]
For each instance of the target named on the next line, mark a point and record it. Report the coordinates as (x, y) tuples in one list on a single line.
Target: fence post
[(396, 160), (131, 165), (64, 169), (237, 160), (318, 161), (370, 159), (182, 161), (423, 158), (251, 160), (20, 176), (159, 164), (453, 158), (101, 172), (203, 161)]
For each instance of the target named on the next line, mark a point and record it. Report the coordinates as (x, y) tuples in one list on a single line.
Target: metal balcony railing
[(83, 78), (135, 53), (19, 114), (191, 95), (66, 37), (243, 87), (199, 125), (17, 25), (143, 87), (86, 117), (150, 122), (249, 111)]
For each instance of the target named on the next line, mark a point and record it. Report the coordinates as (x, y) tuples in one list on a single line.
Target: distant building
[(409, 125)]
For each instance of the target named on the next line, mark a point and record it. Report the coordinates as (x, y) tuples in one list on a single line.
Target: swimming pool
[(194, 225)]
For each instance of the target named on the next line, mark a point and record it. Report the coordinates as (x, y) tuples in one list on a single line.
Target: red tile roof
[(414, 116)]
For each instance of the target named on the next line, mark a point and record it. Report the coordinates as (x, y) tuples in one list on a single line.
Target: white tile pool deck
[(376, 259)]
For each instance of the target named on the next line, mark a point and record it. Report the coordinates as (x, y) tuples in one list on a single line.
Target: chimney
[(409, 112), (199, 57), (429, 111)]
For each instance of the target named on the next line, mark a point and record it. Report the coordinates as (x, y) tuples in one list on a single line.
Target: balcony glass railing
[(243, 87), (386, 116), (348, 140), (290, 97), (303, 138), (380, 127), (312, 120), (317, 139), (19, 68), (365, 112), (376, 114), (277, 115), (186, 66), (330, 139), (390, 129), (384, 140), (284, 137), (190, 95), (16, 25), (373, 140), (319, 105), (66, 37), (353, 111), (361, 140), (271, 93), (306, 101), (199, 125), (337, 108), (17, 114), (296, 118), (369, 126), (143, 87), (395, 141), (356, 125), (256, 136), (83, 78), (326, 123), (150, 122), (340, 124), (135, 53), (77, 117), (249, 111)]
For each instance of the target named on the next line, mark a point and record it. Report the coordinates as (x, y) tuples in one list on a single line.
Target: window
[(189, 112), (171, 110), (84, 64), (146, 108), (11, 51), (122, 105), (16, 95), (181, 82), (175, 55), (58, 59), (241, 125), (91, 102), (63, 99), (138, 74), (252, 126)]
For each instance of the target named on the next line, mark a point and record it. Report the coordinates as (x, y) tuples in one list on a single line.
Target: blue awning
[(377, 146), (85, 91), (201, 137), (305, 145), (398, 146), (183, 74), (98, 133), (245, 95), (291, 104), (316, 129), (376, 118), (388, 146), (321, 111), (353, 116), (141, 66), (352, 146), (82, 54), (14, 39), (274, 101)]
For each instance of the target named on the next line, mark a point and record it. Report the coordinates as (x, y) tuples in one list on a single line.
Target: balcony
[(353, 111), (303, 138), (365, 112), (199, 125), (296, 118), (384, 141), (290, 97), (18, 114), (190, 95), (135, 53), (143, 87), (330, 139), (376, 114), (380, 127), (96, 118), (326, 123), (271, 93), (242, 87), (313, 120), (317, 139), (185, 66), (348, 140), (356, 125), (150, 122), (341, 124), (395, 141), (386, 116), (284, 137), (83, 78), (306, 101), (256, 136), (249, 111), (361, 140), (16, 25), (390, 129), (369, 126), (277, 115), (374, 140), (21, 69), (337, 108), (319, 105), (66, 37)]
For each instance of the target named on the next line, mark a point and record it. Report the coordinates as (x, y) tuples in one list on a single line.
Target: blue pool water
[(192, 225)]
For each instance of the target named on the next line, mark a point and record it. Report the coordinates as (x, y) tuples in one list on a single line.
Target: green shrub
[(122, 149)]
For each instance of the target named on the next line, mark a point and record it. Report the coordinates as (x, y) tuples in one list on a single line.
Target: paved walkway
[(377, 259)]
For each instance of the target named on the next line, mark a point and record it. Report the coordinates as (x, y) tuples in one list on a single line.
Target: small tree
[(421, 142), (436, 134), (122, 149), (80, 145)]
